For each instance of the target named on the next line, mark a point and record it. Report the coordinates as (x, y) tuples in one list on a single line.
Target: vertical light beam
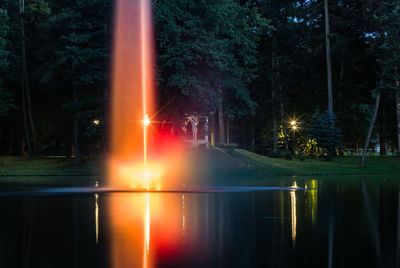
[(132, 96), (144, 74)]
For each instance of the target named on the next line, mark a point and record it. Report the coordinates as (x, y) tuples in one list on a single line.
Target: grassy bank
[(339, 165), (215, 166), (14, 165)]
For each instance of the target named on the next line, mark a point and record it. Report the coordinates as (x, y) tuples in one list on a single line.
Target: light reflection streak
[(183, 214), (147, 227), (96, 216), (293, 212), (313, 200), (143, 228), (146, 247)]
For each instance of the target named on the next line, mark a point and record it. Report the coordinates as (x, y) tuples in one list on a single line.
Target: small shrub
[(288, 155), (328, 157), (274, 155), (230, 146), (301, 156)]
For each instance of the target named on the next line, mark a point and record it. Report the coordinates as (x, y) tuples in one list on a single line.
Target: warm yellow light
[(137, 176), (96, 122), (293, 123), (146, 120), (294, 127)]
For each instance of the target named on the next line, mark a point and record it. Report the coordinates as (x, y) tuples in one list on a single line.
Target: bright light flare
[(293, 123), (146, 120), (135, 175)]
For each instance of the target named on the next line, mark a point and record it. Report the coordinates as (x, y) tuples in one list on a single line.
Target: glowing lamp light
[(96, 122), (293, 123), (146, 120)]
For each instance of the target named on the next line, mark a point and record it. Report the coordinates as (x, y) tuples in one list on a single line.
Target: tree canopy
[(260, 63)]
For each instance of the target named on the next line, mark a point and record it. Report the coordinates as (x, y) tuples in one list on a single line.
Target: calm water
[(347, 222)]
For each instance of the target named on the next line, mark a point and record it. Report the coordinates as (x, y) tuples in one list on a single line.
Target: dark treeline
[(252, 65)]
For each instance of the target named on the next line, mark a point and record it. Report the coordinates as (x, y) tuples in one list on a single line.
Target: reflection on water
[(312, 199), (293, 211), (147, 233), (339, 225), (96, 216), (183, 214)]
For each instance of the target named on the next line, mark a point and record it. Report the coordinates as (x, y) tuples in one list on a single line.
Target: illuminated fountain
[(138, 155)]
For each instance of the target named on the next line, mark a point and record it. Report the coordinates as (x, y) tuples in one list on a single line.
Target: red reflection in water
[(144, 229), (140, 156)]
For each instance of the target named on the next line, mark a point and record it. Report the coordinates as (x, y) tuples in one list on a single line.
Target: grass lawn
[(216, 166), (339, 165), (14, 165)]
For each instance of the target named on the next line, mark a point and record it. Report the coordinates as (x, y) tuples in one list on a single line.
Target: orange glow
[(132, 85), (143, 228), (137, 175), (139, 154), (132, 77), (96, 216)]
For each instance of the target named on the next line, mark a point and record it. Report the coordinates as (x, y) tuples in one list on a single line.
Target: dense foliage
[(262, 62), (326, 137)]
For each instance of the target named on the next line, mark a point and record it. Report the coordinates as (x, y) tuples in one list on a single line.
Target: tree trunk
[(382, 138), (282, 110), (371, 127), (227, 130), (253, 143), (275, 127), (26, 128), (106, 119), (398, 116), (27, 96), (341, 78), (23, 92), (328, 62), (221, 125), (274, 122), (283, 126), (11, 135), (221, 119), (77, 158)]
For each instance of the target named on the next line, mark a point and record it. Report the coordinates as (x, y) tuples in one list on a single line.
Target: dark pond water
[(349, 222)]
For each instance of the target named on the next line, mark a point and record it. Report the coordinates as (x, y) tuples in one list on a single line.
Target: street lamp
[(96, 122), (293, 125)]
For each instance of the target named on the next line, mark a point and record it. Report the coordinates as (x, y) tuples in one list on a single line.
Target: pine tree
[(321, 130)]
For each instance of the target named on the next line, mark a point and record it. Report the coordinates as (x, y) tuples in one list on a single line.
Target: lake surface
[(326, 222)]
